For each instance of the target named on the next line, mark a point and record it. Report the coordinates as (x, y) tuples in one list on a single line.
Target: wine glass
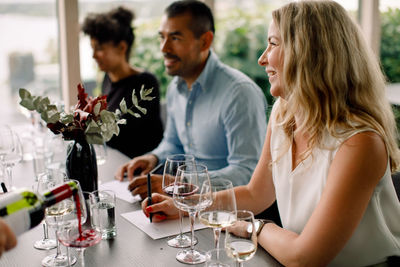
[(191, 196), (45, 243), (6, 143), (13, 157), (75, 233), (241, 237), (219, 258), (222, 213), (170, 168), (57, 215)]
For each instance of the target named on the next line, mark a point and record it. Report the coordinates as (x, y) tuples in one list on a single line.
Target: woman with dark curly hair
[(111, 37)]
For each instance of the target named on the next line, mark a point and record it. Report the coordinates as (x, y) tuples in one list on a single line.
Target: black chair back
[(396, 183)]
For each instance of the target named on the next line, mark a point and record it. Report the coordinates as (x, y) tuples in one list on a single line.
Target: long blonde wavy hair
[(331, 79)]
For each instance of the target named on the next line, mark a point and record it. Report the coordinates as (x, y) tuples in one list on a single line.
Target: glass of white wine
[(241, 237), (53, 217), (222, 213)]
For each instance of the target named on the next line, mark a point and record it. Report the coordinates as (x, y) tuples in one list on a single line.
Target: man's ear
[(207, 39)]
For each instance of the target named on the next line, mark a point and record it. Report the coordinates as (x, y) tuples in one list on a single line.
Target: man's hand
[(8, 239), (142, 164), (163, 208), (138, 186)]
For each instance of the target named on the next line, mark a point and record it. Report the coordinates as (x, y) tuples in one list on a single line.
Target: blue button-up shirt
[(221, 121)]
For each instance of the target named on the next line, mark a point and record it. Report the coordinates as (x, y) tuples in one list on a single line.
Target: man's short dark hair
[(202, 18)]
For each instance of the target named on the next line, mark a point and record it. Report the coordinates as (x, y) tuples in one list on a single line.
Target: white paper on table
[(160, 229), (121, 190)]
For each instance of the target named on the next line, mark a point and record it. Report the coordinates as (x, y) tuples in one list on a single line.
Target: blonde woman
[(330, 146)]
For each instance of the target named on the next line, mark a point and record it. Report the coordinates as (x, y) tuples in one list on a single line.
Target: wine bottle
[(22, 209)]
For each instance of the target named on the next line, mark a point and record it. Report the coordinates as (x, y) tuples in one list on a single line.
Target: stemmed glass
[(54, 216), (45, 243), (241, 237), (222, 213), (73, 232), (6, 144), (170, 168), (191, 196), (13, 157)]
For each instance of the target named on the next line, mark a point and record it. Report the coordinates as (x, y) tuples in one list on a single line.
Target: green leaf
[(96, 109), (107, 116), (134, 99), (36, 103), (28, 104), (137, 115), (52, 114), (143, 110), (66, 118), (45, 101), (23, 93), (94, 138), (108, 130), (92, 127), (144, 94), (122, 106), (44, 116), (121, 121)]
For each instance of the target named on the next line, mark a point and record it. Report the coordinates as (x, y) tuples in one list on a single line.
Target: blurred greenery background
[(241, 38), (390, 51)]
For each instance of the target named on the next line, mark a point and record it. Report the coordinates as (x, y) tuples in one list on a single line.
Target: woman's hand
[(162, 208)]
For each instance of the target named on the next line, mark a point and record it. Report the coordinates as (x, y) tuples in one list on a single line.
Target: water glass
[(101, 153), (102, 213), (219, 258)]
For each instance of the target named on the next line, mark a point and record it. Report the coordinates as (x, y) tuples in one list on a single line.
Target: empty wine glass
[(191, 196), (170, 168), (241, 237), (12, 157), (222, 213), (6, 143)]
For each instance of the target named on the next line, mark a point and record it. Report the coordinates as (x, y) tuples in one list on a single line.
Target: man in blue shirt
[(214, 112)]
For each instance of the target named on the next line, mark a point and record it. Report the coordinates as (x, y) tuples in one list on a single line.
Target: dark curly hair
[(202, 18), (113, 26)]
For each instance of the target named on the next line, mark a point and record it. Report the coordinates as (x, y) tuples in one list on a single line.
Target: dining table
[(131, 246)]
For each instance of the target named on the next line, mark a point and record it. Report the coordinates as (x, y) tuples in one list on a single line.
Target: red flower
[(84, 109)]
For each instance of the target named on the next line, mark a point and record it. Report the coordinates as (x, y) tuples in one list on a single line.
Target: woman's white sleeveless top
[(299, 191)]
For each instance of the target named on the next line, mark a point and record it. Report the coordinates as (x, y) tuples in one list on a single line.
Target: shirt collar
[(205, 77)]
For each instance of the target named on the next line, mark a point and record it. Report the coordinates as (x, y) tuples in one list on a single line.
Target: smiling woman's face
[(272, 60)]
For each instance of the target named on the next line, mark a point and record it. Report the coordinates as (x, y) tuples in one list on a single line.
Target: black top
[(138, 135)]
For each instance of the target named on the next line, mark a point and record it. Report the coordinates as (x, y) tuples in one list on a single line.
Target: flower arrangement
[(90, 118)]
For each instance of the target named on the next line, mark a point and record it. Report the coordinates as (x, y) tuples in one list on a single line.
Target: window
[(29, 57)]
